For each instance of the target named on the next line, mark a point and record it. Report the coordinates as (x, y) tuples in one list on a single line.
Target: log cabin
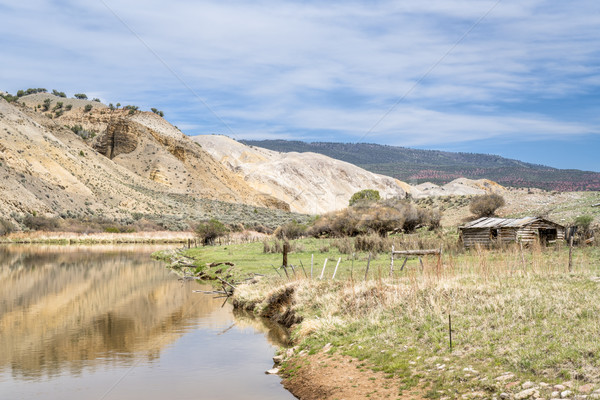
[(488, 231)]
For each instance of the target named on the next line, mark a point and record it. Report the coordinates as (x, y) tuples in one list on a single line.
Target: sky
[(517, 78)]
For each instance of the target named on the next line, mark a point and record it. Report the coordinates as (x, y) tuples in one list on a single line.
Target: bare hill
[(309, 182), (112, 164)]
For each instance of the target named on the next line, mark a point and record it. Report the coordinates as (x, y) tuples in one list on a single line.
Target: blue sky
[(516, 78)]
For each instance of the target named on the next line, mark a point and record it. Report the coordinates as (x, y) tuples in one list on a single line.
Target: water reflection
[(70, 311)]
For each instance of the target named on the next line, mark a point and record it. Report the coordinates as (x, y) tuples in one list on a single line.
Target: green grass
[(513, 310)]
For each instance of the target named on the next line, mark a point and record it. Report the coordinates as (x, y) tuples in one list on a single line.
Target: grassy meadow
[(517, 314)]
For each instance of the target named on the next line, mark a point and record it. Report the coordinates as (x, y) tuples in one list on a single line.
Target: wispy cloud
[(323, 69)]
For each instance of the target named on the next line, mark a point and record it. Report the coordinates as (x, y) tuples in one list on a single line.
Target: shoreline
[(70, 238)]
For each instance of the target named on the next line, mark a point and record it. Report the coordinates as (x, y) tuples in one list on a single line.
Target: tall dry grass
[(513, 309)]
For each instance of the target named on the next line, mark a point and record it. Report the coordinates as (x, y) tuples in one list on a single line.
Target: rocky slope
[(128, 164), (311, 183)]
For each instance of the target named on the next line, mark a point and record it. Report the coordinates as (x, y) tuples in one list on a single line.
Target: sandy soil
[(325, 376)]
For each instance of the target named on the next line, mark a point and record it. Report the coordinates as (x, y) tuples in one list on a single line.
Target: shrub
[(157, 112), (208, 231), (68, 107), (583, 222), (111, 106), (6, 227), (81, 96), (59, 94), (291, 230), (97, 100), (39, 223), (486, 205), (87, 108), (366, 195), (46, 105)]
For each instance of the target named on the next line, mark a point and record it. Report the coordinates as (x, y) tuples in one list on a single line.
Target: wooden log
[(416, 252)]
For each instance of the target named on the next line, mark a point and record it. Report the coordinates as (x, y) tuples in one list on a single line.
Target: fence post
[(323, 271), (392, 263), (571, 254)]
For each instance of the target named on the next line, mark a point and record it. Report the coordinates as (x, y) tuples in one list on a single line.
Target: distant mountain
[(440, 167)]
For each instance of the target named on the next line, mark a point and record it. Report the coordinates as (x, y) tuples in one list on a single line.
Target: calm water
[(109, 323)]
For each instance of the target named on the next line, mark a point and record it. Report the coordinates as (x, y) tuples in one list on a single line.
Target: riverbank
[(39, 237), (523, 326)]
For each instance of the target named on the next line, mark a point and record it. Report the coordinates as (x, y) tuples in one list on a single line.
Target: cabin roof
[(489, 222)]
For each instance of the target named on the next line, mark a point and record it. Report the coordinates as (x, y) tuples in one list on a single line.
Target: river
[(108, 323)]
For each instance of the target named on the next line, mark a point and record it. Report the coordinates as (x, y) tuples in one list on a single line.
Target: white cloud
[(288, 68)]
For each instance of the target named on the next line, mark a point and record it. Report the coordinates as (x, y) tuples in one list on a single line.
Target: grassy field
[(517, 315)]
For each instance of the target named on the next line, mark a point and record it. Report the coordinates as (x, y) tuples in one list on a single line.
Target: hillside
[(115, 164), (418, 166), (311, 183)]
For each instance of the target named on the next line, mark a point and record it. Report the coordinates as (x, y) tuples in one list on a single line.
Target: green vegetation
[(157, 112), (440, 167), (504, 319), (382, 217), (80, 131), (366, 195), (46, 105), (97, 100), (81, 96), (132, 109), (21, 93), (210, 230), (486, 205), (584, 221), (87, 108)]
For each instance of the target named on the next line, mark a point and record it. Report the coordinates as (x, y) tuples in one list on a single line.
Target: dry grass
[(512, 310), (77, 238)]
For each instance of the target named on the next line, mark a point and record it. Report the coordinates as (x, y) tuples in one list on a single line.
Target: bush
[(97, 100), (68, 107), (6, 227), (486, 205), (87, 108), (382, 217), (39, 223), (583, 222), (208, 231), (59, 94), (157, 112), (80, 96), (367, 196), (291, 230), (46, 105)]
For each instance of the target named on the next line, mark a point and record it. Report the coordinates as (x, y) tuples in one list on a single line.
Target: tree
[(80, 96), (208, 231), (366, 195), (46, 105), (87, 108), (486, 205), (583, 222), (59, 94)]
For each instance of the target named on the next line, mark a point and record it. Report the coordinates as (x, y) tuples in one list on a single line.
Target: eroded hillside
[(109, 163)]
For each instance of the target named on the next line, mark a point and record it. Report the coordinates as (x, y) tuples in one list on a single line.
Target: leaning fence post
[(312, 258), (323, 271), (368, 263), (392, 263), (336, 267)]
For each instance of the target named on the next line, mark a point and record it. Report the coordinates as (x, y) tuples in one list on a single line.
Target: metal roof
[(488, 222)]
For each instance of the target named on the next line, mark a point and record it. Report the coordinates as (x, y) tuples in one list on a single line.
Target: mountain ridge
[(419, 166)]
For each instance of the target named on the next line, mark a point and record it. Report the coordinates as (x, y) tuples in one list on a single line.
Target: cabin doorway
[(548, 235)]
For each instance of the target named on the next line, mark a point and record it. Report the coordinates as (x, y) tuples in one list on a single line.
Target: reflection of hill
[(75, 308)]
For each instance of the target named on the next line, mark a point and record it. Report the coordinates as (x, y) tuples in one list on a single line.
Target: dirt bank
[(324, 376)]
